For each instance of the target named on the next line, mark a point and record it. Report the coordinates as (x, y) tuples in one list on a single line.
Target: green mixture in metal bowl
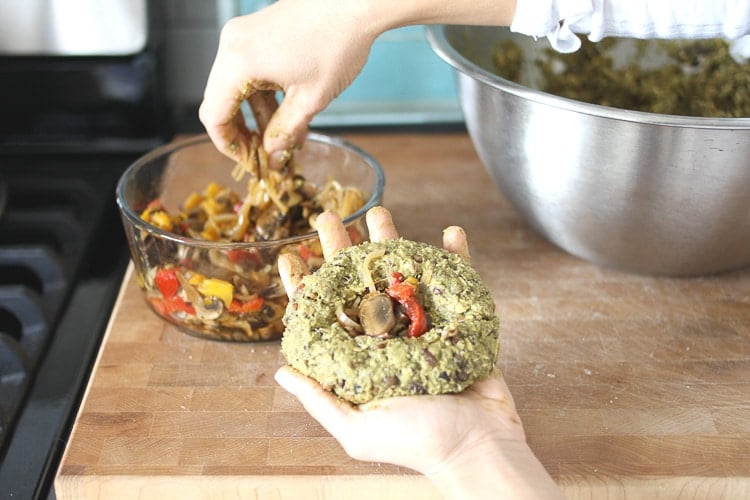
[(677, 77), (392, 318)]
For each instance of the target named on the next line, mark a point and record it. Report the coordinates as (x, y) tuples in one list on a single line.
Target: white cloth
[(561, 21)]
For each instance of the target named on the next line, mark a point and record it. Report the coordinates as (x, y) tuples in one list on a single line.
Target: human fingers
[(289, 125), (454, 240), (230, 83), (367, 432), (380, 224), (291, 270), (331, 412), (332, 233), (284, 128), (219, 112), (493, 387), (225, 126), (263, 104)]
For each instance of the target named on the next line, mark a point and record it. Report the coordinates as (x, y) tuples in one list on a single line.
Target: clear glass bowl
[(226, 290)]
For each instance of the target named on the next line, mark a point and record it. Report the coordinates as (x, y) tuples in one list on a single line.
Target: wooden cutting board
[(628, 386)]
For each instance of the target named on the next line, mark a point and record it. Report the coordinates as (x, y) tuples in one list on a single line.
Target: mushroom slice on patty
[(376, 314)]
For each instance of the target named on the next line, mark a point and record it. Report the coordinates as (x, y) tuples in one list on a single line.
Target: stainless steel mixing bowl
[(640, 192)]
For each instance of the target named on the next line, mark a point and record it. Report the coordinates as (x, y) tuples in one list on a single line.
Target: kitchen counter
[(628, 386)]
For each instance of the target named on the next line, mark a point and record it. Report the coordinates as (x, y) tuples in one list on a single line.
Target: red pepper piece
[(159, 305), (176, 303), (403, 292), (167, 282), (167, 306), (304, 252), (155, 204), (251, 305), (240, 256), (355, 235)]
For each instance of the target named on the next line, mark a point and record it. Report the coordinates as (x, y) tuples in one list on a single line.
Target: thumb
[(336, 415), (289, 125)]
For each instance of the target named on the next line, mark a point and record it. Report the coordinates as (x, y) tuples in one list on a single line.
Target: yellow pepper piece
[(161, 220), (351, 201), (210, 234), (211, 207), (315, 247), (215, 287), (212, 189), (196, 279), (192, 201)]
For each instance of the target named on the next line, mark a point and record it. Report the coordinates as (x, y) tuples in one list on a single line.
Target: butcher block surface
[(628, 386)]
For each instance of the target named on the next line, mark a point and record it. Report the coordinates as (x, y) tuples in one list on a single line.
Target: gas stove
[(62, 258), (74, 117)]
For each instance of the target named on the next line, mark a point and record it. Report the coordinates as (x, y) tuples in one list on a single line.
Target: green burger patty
[(460, 346)]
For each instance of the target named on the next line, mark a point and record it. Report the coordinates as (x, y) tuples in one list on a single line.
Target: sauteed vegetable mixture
[(234, 292)]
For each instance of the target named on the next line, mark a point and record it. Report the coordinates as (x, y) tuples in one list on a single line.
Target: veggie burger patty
[(392, 318)]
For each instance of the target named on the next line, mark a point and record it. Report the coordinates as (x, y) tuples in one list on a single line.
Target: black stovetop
[(62, 259), (70, 126)]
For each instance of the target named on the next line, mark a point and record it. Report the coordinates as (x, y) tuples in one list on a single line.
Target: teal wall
[(403, 82)]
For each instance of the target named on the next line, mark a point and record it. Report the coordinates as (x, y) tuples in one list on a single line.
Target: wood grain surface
[(628, 386)]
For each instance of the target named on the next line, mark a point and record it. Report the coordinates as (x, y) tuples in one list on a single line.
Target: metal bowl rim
[(439, 42)]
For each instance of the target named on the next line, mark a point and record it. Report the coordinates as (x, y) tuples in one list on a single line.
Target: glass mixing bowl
[(221, 289)]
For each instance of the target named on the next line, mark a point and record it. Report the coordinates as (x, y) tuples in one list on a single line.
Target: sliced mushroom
[(351, 326), (268, 223), (376, 314), (207, 308)]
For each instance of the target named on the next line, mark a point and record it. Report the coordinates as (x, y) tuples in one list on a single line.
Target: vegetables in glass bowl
[(205, 236)]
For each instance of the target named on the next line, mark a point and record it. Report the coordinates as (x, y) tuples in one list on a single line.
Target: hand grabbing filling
[(392, 318)]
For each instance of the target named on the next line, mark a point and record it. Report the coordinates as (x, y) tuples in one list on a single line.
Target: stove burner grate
[(32, 286), (62, 258)]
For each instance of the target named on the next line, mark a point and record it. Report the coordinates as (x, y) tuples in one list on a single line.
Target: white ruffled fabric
[(562, 21)]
